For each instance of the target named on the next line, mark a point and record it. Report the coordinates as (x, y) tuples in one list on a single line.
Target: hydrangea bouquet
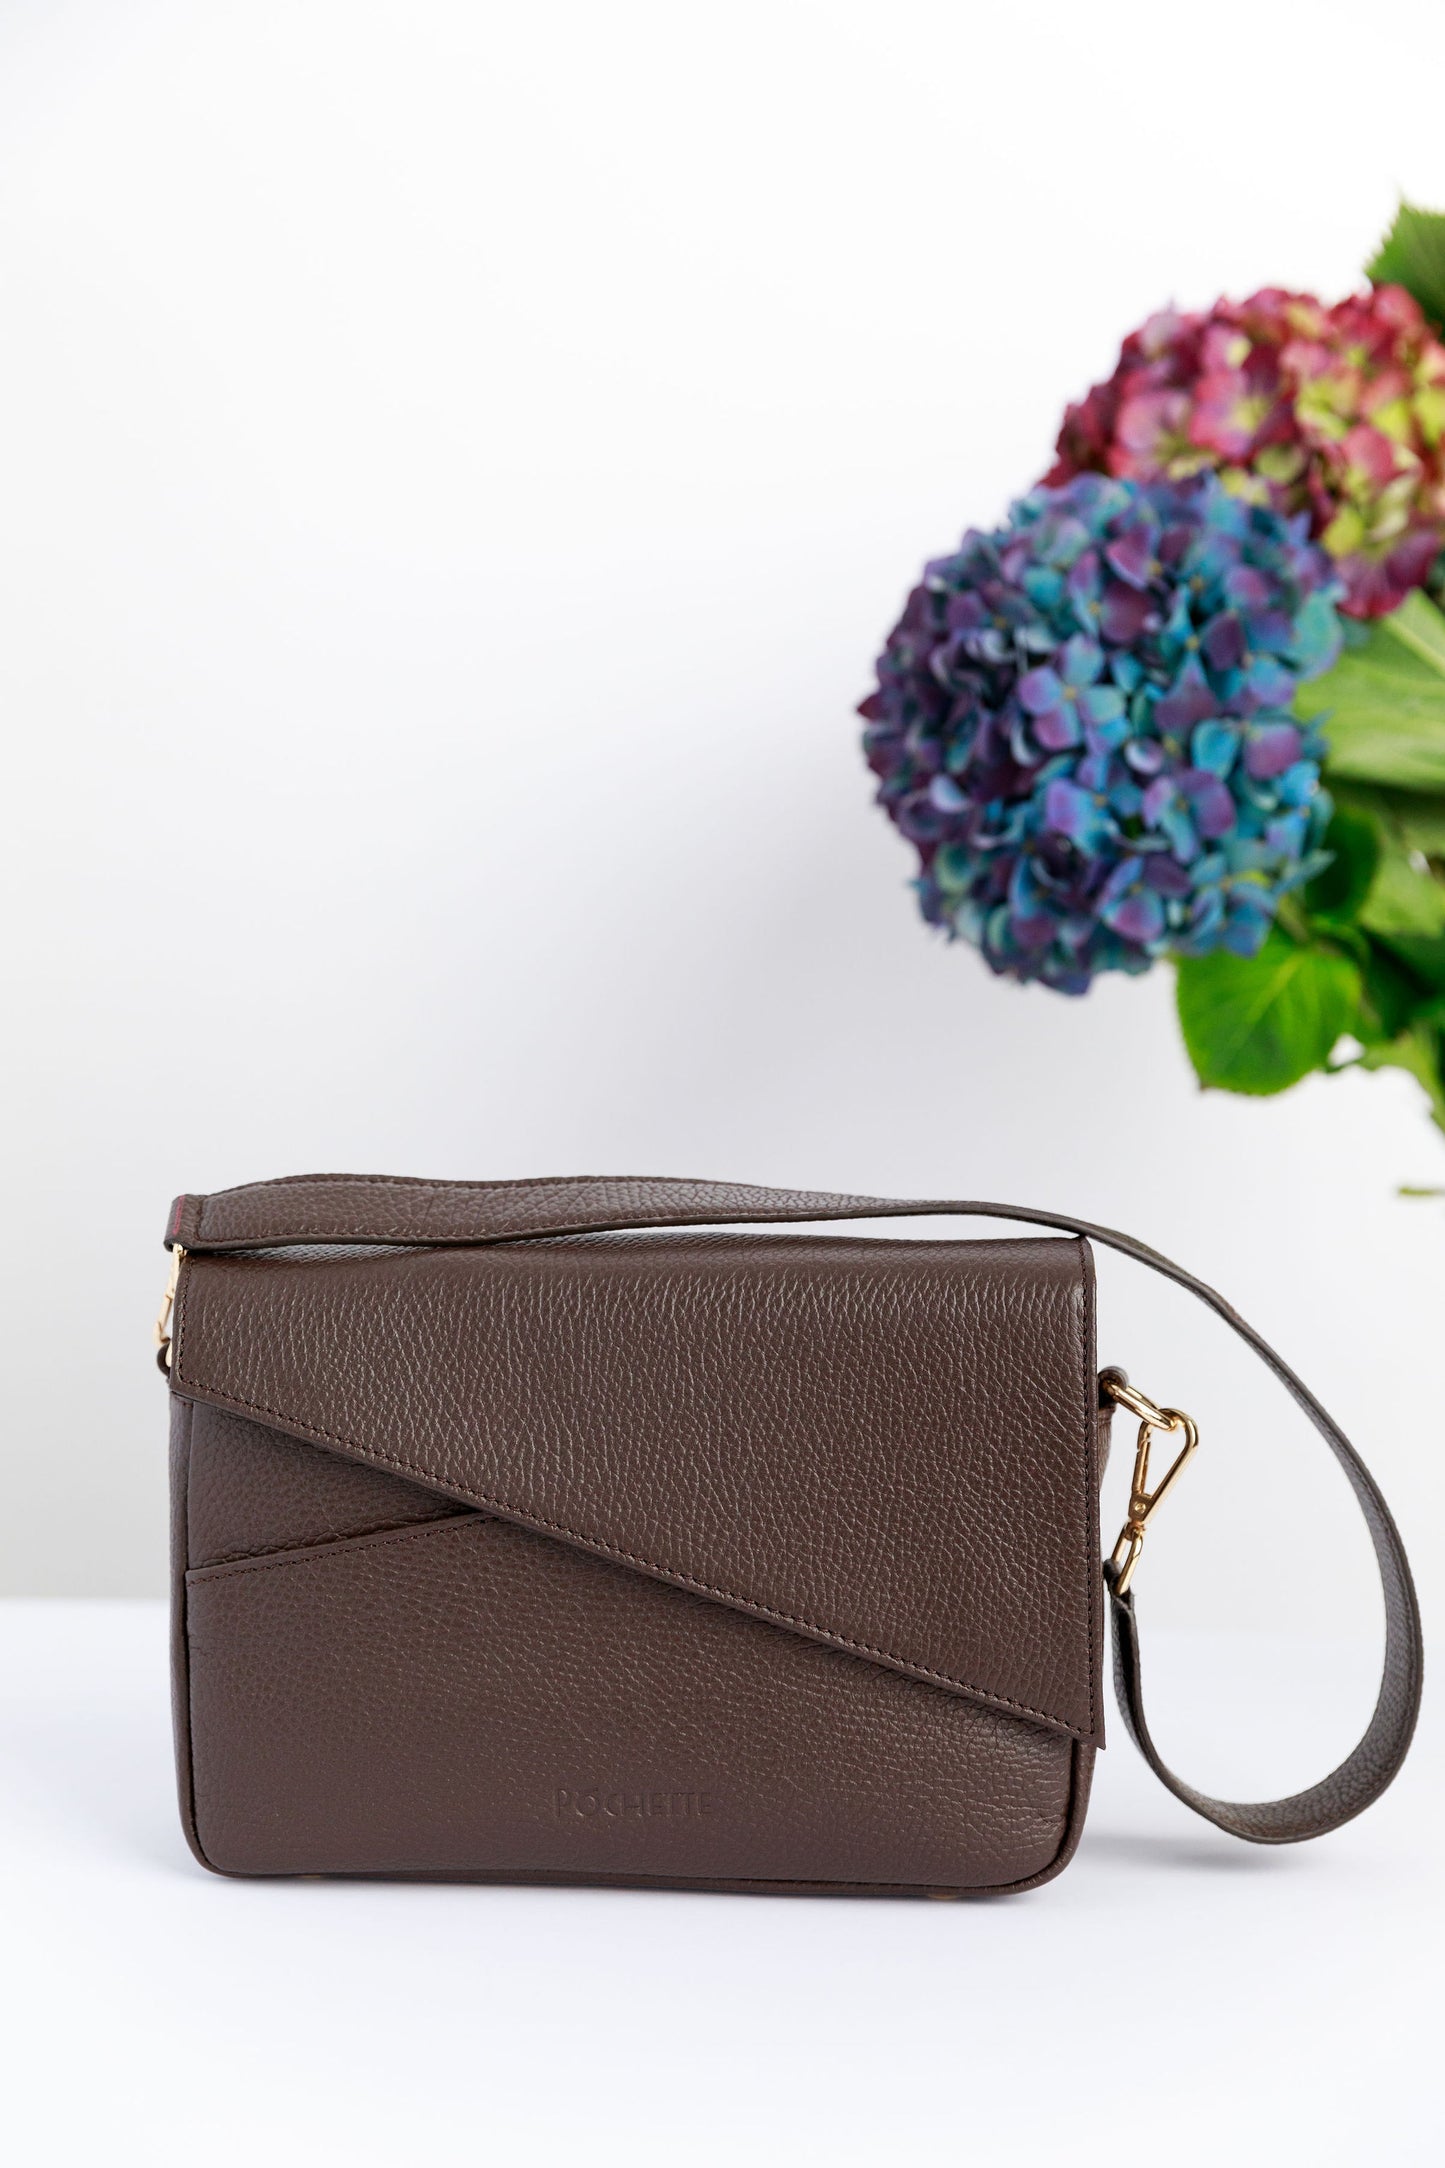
[(1188, 701)]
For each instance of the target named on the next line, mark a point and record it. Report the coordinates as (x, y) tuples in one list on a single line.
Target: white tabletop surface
[(1175, 1996)]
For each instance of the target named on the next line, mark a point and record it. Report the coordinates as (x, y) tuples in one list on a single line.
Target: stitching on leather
[(738, 1192), (631, 1558), (531, 1181), (316, 1554), (418, 1182), (319, 1554)]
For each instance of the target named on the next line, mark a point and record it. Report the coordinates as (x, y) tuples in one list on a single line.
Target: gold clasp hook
[(1143, 1502), (168, 1303)]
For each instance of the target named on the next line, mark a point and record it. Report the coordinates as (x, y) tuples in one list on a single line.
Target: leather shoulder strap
[(366, 1209)]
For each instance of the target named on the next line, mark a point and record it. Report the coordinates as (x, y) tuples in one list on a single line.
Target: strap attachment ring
[(1144, 1502)]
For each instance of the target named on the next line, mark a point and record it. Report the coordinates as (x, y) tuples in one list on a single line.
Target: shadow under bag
[(533, 1531)]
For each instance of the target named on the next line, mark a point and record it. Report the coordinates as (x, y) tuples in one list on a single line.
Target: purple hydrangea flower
[(1082, 723)]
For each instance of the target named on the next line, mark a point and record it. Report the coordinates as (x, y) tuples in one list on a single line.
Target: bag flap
[(886, 1446)]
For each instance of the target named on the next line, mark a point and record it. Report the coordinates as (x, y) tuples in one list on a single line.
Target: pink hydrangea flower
[(1338, 412)]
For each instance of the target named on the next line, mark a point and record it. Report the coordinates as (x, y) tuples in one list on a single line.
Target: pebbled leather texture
[(253, 1490), (888, 1446), (470, 1697), (496, 1413)]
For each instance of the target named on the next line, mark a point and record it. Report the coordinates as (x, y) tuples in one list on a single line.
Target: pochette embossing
[(583, 1802)]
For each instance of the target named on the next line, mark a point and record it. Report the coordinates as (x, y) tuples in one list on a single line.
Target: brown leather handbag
[(523, 1534)]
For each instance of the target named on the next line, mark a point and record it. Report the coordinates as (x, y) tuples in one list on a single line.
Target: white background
[(457, 464)]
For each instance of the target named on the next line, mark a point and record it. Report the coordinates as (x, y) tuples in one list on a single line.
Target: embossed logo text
[(606, 1803)]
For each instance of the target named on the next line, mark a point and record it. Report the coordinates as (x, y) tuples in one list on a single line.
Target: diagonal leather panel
[(885, 1446)]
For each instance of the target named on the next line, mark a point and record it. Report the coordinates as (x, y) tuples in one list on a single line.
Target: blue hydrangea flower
[(1082, 723)]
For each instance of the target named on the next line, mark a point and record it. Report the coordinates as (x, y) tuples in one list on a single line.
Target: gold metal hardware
[(1143, 1502), (168, 1304)]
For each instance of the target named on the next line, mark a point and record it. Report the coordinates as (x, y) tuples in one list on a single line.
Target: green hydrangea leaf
[(1404, 898), (1382, 706), (1355, 845), (1259, 1023), (1414, 819), (1393, 996), (1412, 255), (1404, 913), (1421, 824)]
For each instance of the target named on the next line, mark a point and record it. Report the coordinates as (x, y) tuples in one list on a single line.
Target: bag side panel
[(180, 1457), (470, 1698)]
